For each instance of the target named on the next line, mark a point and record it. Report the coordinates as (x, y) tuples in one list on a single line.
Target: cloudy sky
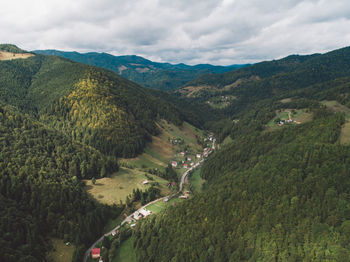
[(190, 31)]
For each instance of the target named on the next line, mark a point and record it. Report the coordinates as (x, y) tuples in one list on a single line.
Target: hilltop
[(163, 76)]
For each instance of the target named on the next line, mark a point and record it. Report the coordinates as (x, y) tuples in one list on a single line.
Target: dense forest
[(278, 194), (60, 122), (162, 76), (40, 191), (270, 195), (92, 105)]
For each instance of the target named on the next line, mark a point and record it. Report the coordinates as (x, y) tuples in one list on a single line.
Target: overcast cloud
[(190, 31)]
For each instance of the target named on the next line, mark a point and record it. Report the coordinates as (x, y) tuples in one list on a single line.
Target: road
[(129, 218)]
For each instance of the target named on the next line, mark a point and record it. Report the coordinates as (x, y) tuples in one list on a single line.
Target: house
[(189, 159), (96, 252), (182, 153), (132, 225), (166, 199), (198, 155), (145, 182), (185, 165), (145, 212), (183, 197), (173, 163), (137, 215), (100, 260), (115, 232)]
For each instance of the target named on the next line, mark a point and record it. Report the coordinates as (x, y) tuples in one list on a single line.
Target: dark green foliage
[(281, 195), (40, 194), (161, 76), (11, 48), (93, 106), (277, 196)]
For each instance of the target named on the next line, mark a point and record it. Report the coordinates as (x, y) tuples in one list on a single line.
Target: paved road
[(129, 218)]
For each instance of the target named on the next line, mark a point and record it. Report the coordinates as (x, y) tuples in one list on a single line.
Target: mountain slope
[(60, 122), (271, 195), (163, 76), (93, 106)]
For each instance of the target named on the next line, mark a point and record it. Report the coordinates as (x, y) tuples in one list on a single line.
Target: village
[(184, 163)]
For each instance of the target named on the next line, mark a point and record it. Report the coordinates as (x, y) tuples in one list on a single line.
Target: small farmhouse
[(96, 252), (145, 212)]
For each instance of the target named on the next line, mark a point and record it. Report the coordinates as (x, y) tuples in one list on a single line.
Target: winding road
[(129, 218)]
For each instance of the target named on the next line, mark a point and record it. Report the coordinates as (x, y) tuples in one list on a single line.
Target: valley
[(250, 164)]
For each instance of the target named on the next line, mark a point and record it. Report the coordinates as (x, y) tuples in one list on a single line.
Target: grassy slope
[(337, 107), (112, 190), (125, 252), (196, 181), (301, 116), (161, 205), (160, 152), (157, 155), (61, 252)]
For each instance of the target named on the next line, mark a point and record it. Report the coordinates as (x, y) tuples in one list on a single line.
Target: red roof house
[(95, 252)]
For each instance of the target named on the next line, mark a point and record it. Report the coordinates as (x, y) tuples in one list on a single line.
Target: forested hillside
[(60, 122), (272, 194), (162, 76), (91, 105), (40, 192)]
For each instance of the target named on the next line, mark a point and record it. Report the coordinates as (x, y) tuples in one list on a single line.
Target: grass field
[(161, 205), (300, 116), (337, 107), (125, 252), (345, 131), (61, 252), (196, 181), (286, 100), (11, 56), (112, 190), (160, 152), (227, 140)]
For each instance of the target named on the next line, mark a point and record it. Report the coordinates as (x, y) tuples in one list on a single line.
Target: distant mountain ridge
[(162, 76)]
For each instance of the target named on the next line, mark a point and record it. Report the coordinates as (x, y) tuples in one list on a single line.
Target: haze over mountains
[(277, 189), (163, 76)]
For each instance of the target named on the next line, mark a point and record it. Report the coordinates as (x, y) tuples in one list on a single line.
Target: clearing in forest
[(11, 56), (60, 252), (112, 190)]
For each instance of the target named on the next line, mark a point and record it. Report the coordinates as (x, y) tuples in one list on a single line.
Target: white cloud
[(218, 32)]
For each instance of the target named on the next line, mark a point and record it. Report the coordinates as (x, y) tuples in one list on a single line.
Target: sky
[(179, 31)]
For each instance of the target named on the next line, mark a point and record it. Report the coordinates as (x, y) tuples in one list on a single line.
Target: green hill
[(163, 76), (61, 122), (271, 195), (93, 106)]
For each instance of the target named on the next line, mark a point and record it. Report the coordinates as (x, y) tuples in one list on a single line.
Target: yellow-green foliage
[(91, 114), (92, 106)]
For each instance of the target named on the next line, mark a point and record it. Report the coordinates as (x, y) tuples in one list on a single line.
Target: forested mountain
[(60, 122), (277, 193), (92, 105), (163, 76)]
